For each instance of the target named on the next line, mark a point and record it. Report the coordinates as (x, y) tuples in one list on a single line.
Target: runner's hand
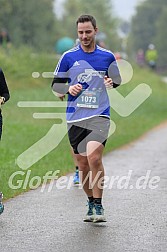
[(108, 82), (75, 89)]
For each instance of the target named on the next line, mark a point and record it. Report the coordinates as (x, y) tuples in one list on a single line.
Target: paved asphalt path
[(137, 217)]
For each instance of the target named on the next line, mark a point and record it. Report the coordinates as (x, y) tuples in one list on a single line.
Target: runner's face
[(86, 34)]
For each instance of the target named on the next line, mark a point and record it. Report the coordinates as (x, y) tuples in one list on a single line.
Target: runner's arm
[(59, 85)]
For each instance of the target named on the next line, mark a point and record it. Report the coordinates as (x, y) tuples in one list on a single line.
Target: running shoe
[(76, 178), (99, 213), (1, 204), (90, 214)]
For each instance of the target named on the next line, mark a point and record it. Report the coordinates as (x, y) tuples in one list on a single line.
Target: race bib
[(88, 99)]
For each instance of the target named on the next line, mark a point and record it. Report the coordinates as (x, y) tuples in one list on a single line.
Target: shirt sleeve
[(59, 83), (4, 91), (114, 73), (62, 67)]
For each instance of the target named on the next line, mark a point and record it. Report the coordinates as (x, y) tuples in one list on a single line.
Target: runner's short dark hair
[(87, 18)]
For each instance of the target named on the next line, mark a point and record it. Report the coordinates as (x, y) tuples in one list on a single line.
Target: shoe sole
[(99, 219), (95, 220), (88, 219)]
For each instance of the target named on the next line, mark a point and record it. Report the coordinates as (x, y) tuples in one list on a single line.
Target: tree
[(29, 22), (148, 26), (161, 36)]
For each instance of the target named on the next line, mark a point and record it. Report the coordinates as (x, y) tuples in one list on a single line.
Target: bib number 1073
[(88, 99)]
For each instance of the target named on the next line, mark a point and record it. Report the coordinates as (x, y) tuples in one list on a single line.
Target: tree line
[(29, 23), (149, 26), (35, 24)]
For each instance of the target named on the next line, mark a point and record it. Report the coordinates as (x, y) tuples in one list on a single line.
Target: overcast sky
[(123, 8)]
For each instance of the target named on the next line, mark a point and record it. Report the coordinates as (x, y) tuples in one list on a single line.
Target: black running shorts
[(92, 129)]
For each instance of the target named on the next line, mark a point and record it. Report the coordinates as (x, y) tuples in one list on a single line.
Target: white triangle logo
[(76, 63)]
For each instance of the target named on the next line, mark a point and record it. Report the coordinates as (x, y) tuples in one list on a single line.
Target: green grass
[(21, 130)]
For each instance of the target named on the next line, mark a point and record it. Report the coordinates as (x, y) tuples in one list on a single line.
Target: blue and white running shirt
[(89, 70)]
